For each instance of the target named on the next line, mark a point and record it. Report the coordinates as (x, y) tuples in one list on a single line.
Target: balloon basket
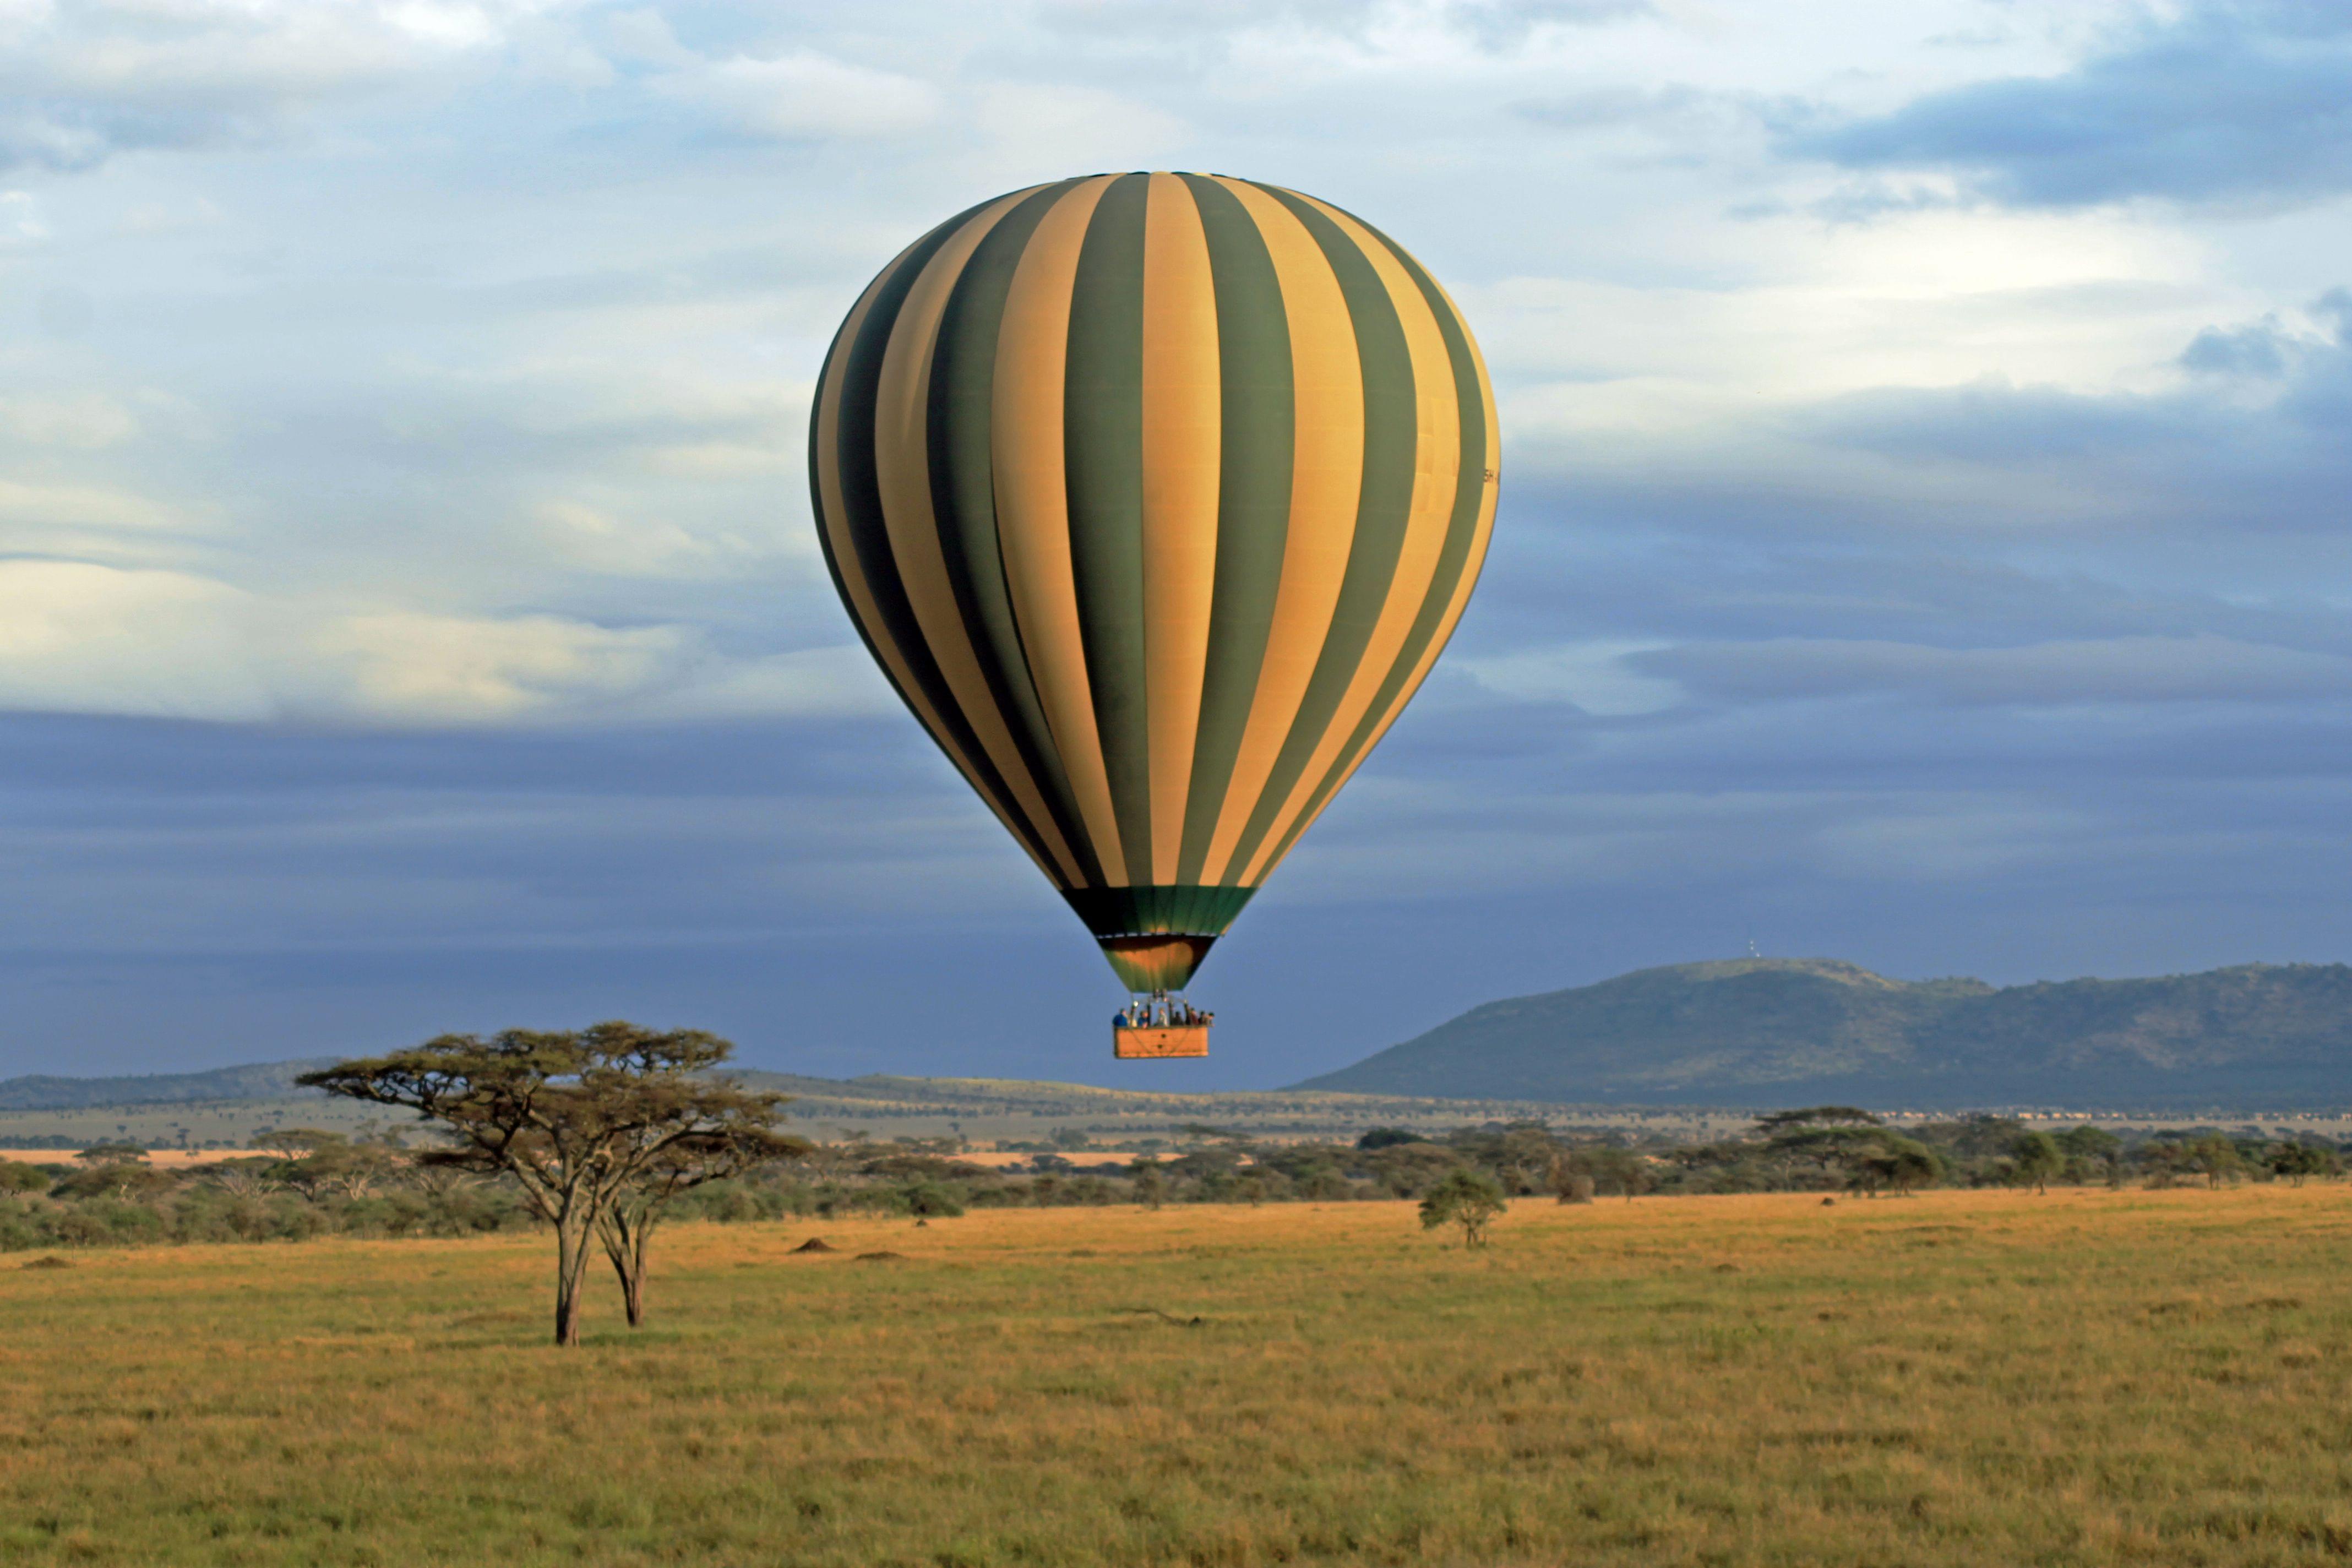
[(1152, 1042)]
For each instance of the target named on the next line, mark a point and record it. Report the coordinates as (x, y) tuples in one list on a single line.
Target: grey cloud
[(1676, 109), (2142, 669), (1500, 24), (2256, 350), (2233, 102), (86, 82), (1492, 25), (1993, 422), (2200, 456)]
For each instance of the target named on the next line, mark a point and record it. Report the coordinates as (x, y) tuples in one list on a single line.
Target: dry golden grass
[(1988, 1379)]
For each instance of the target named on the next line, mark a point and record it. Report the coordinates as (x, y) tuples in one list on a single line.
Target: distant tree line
[(313, 1183)]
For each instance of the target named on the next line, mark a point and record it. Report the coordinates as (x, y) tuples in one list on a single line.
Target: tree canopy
[(593, 1124)]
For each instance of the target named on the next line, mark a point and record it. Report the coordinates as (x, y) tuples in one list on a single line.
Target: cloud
[(803, 96), (82, 421), (1077, 127), (21, 226), (824, 682), (65, 518), (84, 81), (468, 669), (2135, 670), (79, 638), (1492, 25), (1674, 107), (1595, 677), (2233, 102)]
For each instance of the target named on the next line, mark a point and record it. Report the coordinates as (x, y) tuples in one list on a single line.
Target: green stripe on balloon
[(1392, 419), (1253, 500), (1184, 909), (861, 497), (1453, 555), (1102, 420), (963, 496)]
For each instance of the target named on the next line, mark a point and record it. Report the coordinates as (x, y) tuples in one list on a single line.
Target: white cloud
[(31, 511), (76, 636), (21, 226), (1594, 676), (803, 95), (82, 421), (82, 636), (1073, 130), (824, 682), (597, 539), (90, 80), (407, 665)]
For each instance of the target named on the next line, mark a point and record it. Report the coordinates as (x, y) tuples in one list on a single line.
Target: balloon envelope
[(1155, 496)]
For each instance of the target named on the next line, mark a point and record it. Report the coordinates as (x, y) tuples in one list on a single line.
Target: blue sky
[(1924, 536)]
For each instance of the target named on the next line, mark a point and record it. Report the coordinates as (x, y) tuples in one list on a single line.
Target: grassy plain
[(1964, 1378)]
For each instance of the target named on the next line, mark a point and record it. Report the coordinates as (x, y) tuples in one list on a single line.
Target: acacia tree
[(2035, 1158), (737, 1141), (577, 1118), (1470, 1199), (1818, 1116)]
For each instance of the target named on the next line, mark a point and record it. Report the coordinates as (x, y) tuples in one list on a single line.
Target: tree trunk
[(632, 1289), (570, 1264), (624, 1237)]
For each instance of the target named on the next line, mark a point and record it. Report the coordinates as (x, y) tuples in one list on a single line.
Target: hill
[(259, 1080), (179, 1110), (1766, 1032)]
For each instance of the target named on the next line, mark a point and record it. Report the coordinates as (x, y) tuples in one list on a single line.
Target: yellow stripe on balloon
[(1182, 429), (1489, 483), (1327, 483), (833, 517), (902, 465), (1437, 465), (1033, 502)]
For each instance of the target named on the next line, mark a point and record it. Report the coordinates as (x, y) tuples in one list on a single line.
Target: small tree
[(1151, 1187), (1470, 1199), (1902, 1163), (2033, 1159), (1835, 1148), (16, 1177), (1569, 1182), (737, 1138), (2093, 1151), (1818, 1116), (578, 1118), (2297, 1162), (2212, 1156)]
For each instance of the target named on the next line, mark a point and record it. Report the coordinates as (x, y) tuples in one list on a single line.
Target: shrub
[(1467, 1199)]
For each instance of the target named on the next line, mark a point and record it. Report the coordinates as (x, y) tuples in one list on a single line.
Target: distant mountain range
[(261, 1080), (1786, 1032), (1744, 1033)]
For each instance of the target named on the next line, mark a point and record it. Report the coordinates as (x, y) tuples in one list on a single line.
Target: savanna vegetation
[(1971, 1377), (375, 1185)]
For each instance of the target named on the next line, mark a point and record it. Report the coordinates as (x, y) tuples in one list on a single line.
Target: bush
[(929, 1200), (1467, 1199), (15, 1176)]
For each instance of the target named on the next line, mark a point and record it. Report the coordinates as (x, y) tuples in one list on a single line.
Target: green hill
[(1797, 1031), (259, 1080)]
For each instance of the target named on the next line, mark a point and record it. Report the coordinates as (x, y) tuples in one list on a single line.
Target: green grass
[(1989, 1379)]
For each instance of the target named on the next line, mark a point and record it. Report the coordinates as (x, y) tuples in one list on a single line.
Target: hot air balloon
[(1155, 496)]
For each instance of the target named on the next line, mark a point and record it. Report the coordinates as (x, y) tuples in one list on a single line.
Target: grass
[(1965, 1378)]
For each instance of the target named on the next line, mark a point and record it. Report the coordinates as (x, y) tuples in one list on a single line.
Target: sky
[(1924, 535)]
